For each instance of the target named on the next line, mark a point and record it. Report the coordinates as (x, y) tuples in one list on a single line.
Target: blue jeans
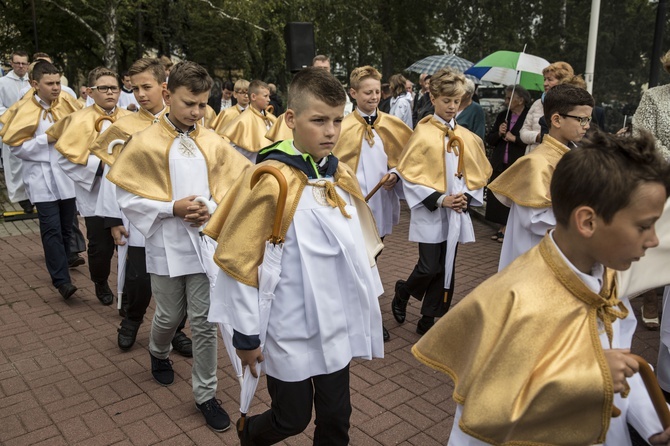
[(56, 219)]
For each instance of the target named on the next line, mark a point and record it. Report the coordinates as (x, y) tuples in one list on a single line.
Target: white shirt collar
[(593, 281), (451, 123)]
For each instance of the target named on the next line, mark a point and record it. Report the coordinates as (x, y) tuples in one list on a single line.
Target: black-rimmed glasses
[(105, 88), (583, 120)]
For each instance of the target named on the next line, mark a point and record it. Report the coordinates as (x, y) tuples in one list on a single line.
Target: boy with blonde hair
[(444, 170), (228, 115), (73, 136), (247, 132), (325, 311), (543, 360)]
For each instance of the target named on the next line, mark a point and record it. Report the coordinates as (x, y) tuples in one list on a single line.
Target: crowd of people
[(187, 186)]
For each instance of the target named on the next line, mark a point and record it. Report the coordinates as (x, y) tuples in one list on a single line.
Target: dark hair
[(604, 172), (151, 65), (520, 92), (41, 55), (227, 85), (316, 83), (98, 72), (563, 98), (43, 67), (190, 75), (320, 58), (19, 53)]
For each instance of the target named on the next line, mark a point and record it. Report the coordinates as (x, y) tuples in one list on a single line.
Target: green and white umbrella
[(510, 68)]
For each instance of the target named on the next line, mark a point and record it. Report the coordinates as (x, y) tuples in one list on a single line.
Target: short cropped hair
[(256, 86), (560, 70), (19, 53), (447, 82), (521, 92), (316, 83), (227, 85), (241, 86), (150, 65), (320, 58), (41, 55), (576, 81), (603, 174), (43, 67), (665, 60), (397, 84), (563, 98), (361, 73), (190, 75), (98, 72)]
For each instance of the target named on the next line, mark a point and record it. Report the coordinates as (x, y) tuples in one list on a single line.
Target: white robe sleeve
[(537, 221), (84, 176), (107, 205), (236, 304), (641, 413), (146, 215), (36, 149)]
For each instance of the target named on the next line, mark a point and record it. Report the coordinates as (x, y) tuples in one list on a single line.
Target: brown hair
[(190, 75), (98, 72), (604, 172), (19, 53), (576, 81), (361, 73), (166, 62), (256, 86), (397, 84), (315, 83), (560, 70), (447, 82), (41, 68), (320, 58), (563, 98), (40, 55), (148, 64)]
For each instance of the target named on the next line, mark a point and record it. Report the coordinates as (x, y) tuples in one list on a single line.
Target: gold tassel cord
[(332, 197), (46, 114), (369, 136), (456, 145)]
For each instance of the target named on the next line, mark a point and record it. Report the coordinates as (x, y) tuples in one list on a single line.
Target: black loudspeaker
[(300, 48)]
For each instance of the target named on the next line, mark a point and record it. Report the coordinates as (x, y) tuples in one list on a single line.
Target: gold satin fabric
[(143, 166), (279, 131), (76, 133), (226, 117), (392, 131), (249, 129), (122, 130), (20, 121), (525, 355), (423, 160), (243, 222), (526, 182), (209, 118)]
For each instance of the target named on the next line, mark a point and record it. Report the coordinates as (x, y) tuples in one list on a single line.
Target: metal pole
[(592, 44), (37, 44), (658, 43)]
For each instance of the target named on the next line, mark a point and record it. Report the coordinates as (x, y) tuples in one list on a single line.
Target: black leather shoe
[(127, 333), (387, 335), (75, 260), (104, 293), (399, 303), (425, 324), (161, 370), (66, 290), (182, 344), (27, 206)]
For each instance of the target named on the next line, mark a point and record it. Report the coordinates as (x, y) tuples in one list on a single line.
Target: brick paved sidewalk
[(63, 379)]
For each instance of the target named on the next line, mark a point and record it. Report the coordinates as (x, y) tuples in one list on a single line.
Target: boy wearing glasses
[(74, 136), (524, 187), (228, 115)]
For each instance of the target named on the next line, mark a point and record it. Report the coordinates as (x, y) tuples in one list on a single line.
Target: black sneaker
[(75, 260), (161, 369), (27, 206), (399, 303), (104, 293), (127, 333), (66, 290), (182, 344), (216, 418)]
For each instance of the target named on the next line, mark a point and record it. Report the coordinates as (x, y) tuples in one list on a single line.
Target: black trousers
[(100, 248), (291, 410), (426, 283), (56, 219), (137, 288), (77, 242)]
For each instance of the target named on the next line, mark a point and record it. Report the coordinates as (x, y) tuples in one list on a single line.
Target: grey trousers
[(174, 297)]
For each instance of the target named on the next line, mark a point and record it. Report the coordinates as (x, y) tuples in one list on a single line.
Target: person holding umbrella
[(325, 310), (507, 148)]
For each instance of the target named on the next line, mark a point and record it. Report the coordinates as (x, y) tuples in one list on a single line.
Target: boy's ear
[(289, 118), (352, 93), (585, 221), (33, 83), (166, 95), (555, 120), (432, 99)]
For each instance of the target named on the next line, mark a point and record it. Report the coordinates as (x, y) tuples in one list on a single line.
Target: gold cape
[(226, 117), (243, 222), (279, 131), (20, 121), (423, 160), (121, 130), (526, 182), (393, 132), (249, 129), (143, 166), (77, 132), (209, 118), (525, 356)]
